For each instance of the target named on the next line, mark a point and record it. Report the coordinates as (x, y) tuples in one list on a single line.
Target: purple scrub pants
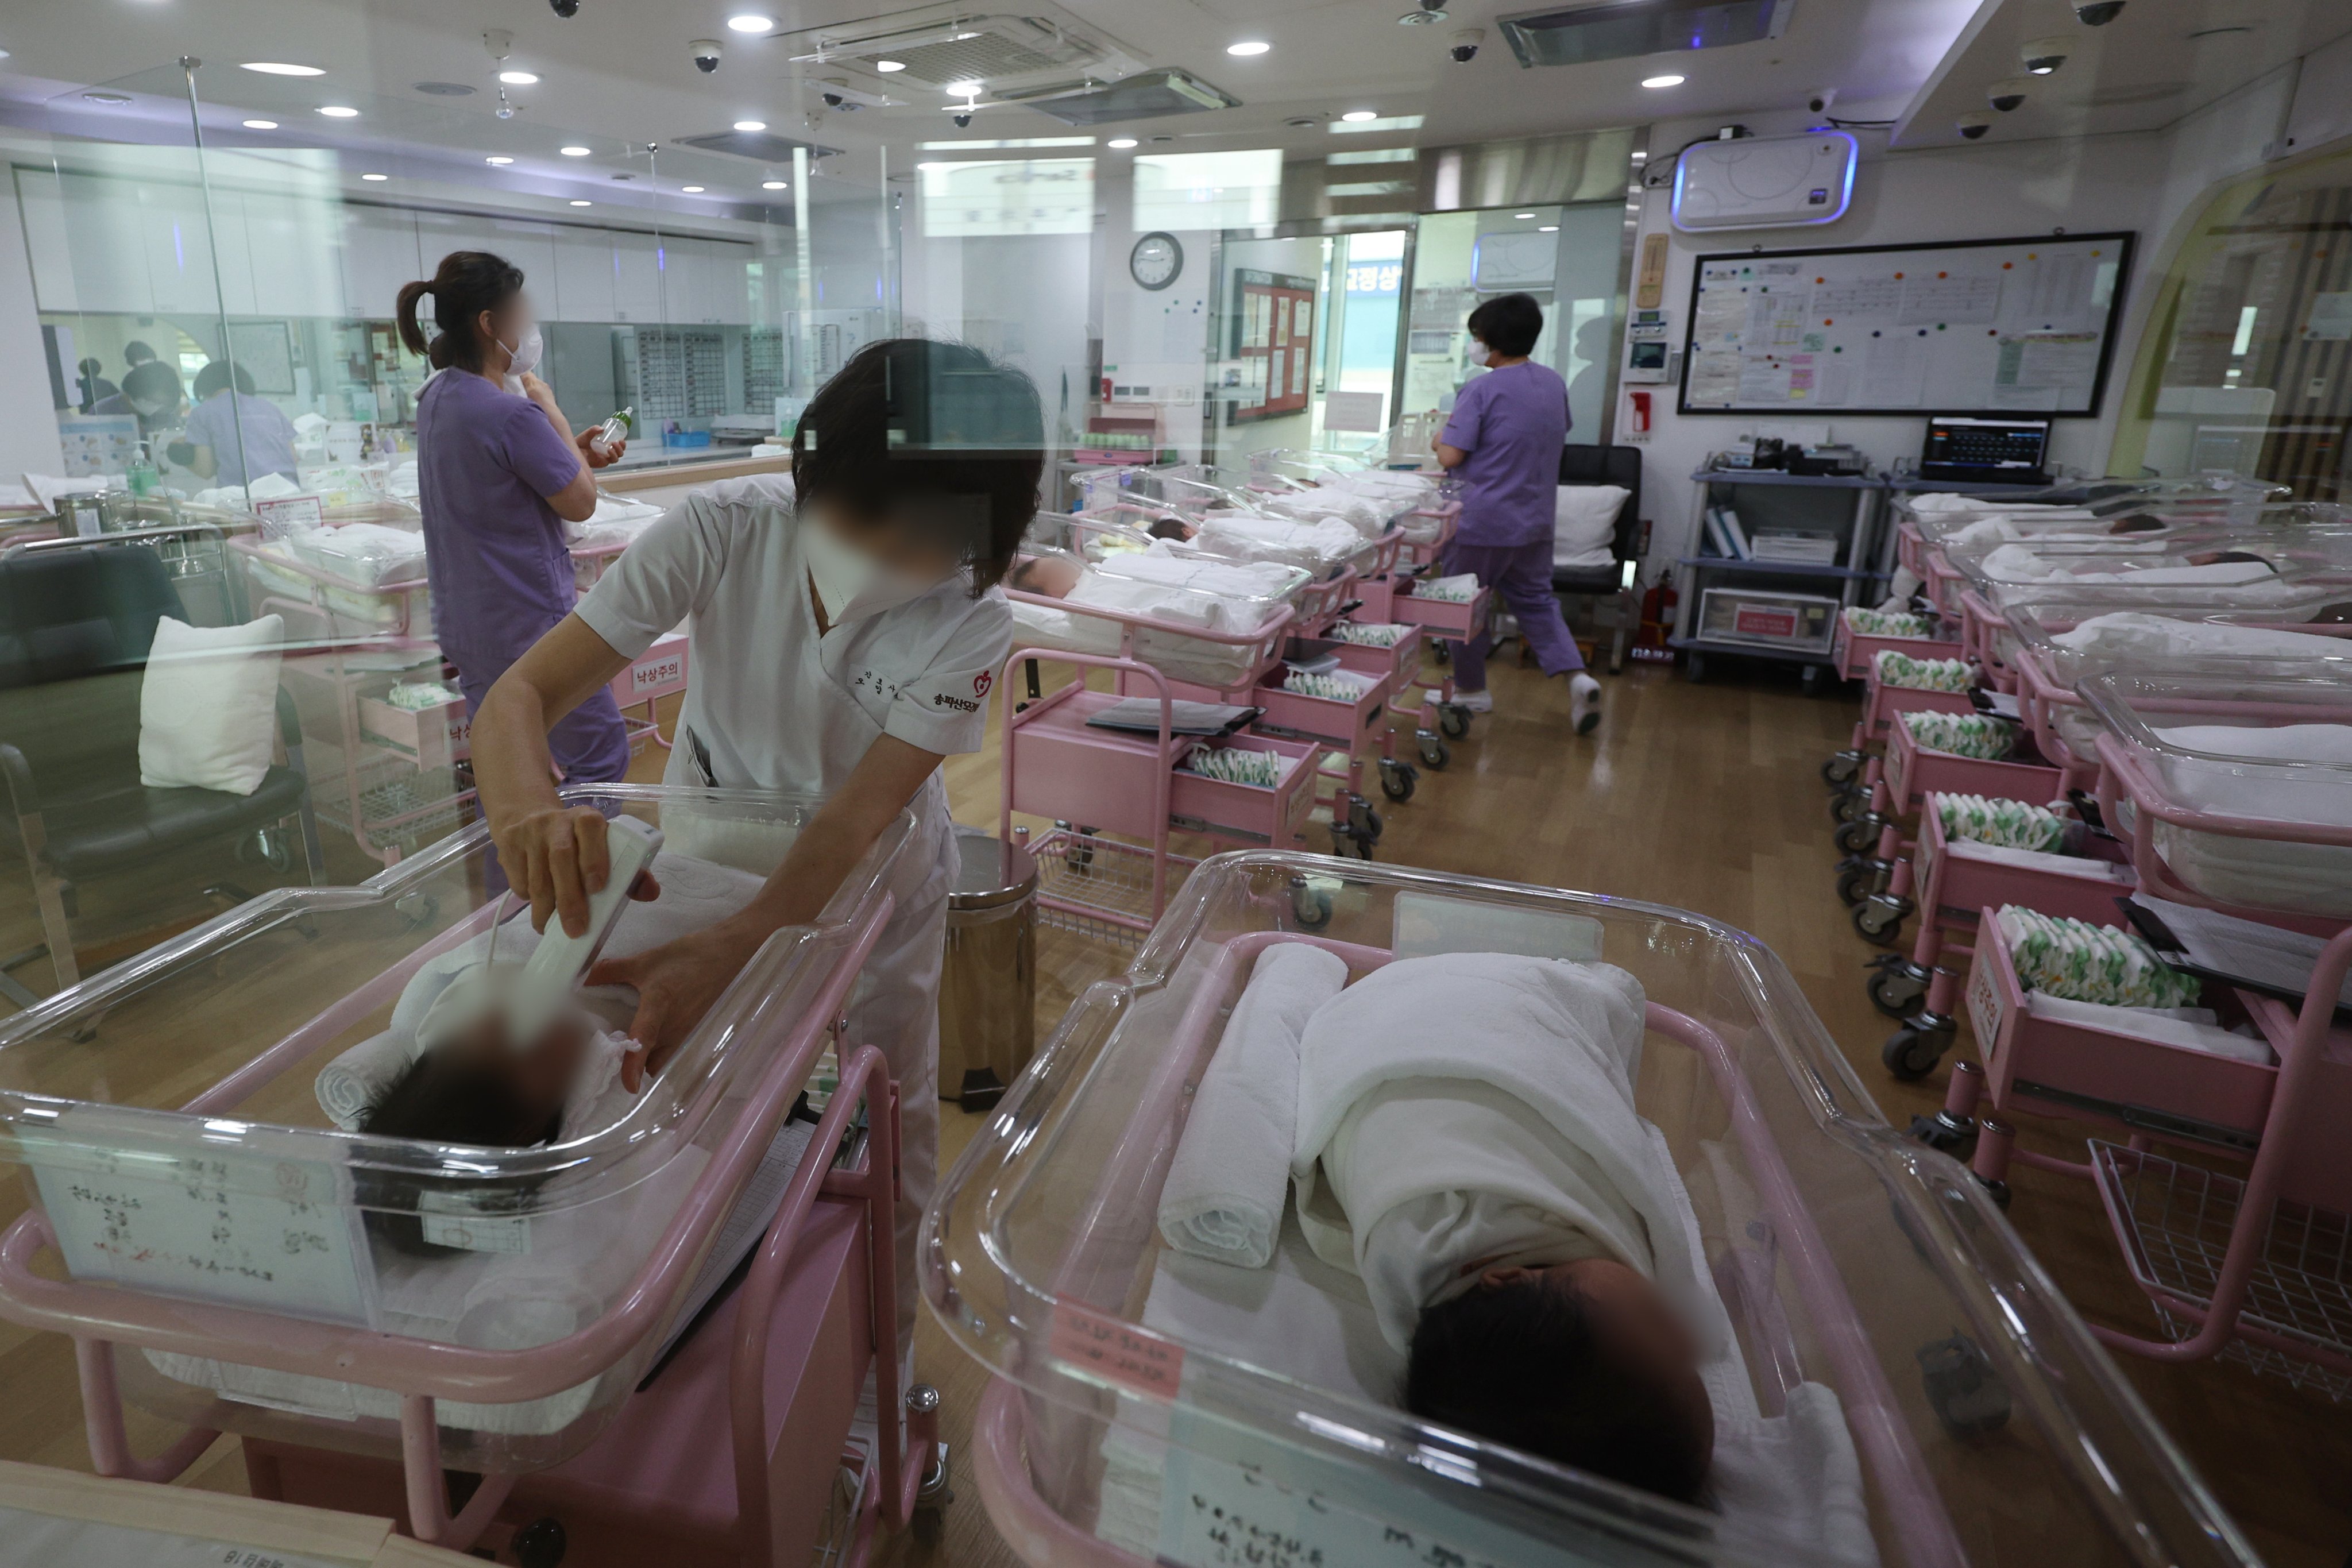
[(589, 743), (1520, 576)]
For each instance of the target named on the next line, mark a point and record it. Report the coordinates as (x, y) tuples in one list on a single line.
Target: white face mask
[(1479, 352), (522, 356), (849, 582)]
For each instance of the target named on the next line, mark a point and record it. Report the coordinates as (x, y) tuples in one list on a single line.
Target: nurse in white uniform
[(845, 629)]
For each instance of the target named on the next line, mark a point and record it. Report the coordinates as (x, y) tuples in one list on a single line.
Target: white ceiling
[(2158, 60)]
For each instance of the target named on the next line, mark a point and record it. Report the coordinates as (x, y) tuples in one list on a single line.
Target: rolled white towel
[(357, 1078), (1225, 1187)]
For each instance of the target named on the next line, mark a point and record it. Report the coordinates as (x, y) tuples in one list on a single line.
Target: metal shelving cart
[(1781, 610)]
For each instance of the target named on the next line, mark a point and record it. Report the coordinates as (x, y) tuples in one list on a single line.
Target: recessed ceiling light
[(574, 152), (934, 165), (1523, 216), (579, 203), (111, 99), (691, 190), (1248, 47), (1120, 144), (261, 125), (338, 112), (750, 125), (520, 78), (774, 186), (500, 161), (279, 67), (1358, 115), (1548, 228), (1419, 18), (751, 22), (4, 54), (965, 89), (889, 65), (378, 179), (1669, 79)]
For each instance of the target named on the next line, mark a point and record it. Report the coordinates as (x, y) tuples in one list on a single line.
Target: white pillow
[(1584, 519), (208, 705)]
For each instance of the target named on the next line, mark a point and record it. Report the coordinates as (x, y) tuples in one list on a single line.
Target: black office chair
[(76, 621), (1622, 466)]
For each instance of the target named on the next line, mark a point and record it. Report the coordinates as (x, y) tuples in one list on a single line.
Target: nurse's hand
[(676, 983), (557, 857), (595, 456)]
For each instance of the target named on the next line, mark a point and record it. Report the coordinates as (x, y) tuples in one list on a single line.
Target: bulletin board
[(1274, 339), (1988, 326)]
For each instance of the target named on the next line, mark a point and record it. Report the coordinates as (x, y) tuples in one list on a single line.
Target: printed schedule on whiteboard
[(1984, 326)]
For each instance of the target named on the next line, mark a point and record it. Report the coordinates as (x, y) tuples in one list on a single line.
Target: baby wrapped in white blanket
[(1230, 596), (1516, 1224)]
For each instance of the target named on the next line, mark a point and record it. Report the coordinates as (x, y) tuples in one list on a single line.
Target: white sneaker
[(1479, 702), (1583, 702)]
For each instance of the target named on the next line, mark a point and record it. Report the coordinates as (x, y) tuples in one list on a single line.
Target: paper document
[(1142, 714), (2235, 951)]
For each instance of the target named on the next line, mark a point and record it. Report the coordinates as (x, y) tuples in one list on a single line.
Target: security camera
[(2008, 92), (833, 100), (961, 120), (564, 7), (2043, 56), (706, 53), (2097, 13), (1819, 98), (1973, 125), (1464, 46)]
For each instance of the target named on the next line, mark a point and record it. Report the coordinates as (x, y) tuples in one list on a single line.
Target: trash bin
[(988, 991)]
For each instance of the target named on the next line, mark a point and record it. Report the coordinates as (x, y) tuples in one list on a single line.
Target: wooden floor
[(1702, 796)]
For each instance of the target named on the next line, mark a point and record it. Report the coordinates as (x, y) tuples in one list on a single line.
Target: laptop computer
[(1985, 449)]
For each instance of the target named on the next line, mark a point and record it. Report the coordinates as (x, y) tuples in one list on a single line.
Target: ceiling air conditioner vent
[(1148, 95), (938, 47), (1622, 29), (760, 146)]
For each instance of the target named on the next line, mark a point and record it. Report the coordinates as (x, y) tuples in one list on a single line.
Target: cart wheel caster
[(1813, 678), (1363, 822), (1909, 1054), (1861, 835), (1309, 909), (1966, 1394), (1841, 766), (1878, 919), (1434, 753), (1440, 650), (1695, 668), (1453, 718), (1896, 988), (1397, 780), (540, 1543), (1946, 1133), (938, 1486), (1995, 1189), (1850, 803), (1857, 882)]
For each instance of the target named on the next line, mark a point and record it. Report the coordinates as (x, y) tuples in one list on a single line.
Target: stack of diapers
[(1369, 633), (2262, 873), (1237, 764), (1977, 736), (1897, 669), (2080, 961), (1331, 685), (1872, 623), (2014, 824), (1458, 589), (1224, 1197)]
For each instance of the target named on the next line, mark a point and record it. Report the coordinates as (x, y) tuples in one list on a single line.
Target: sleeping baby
[(1467, 1145)]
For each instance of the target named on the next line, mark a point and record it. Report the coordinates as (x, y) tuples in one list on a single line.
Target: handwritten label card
[(1116, 1351)]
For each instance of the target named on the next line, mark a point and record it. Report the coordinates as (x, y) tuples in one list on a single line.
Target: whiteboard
[(1988, 326)]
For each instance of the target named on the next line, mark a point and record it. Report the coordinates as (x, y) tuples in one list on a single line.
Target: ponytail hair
[(466, 283)]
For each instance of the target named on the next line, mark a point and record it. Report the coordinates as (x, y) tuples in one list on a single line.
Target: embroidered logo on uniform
[(983, 681), (960, 704)]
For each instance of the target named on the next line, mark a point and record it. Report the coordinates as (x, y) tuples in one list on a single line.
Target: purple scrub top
[(494, 550), (1513, 422)]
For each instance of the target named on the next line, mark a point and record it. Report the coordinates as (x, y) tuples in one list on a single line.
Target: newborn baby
[(1467, 1144), (1048, 576)]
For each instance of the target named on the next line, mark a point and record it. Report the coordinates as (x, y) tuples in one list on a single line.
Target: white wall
[(28, 426)]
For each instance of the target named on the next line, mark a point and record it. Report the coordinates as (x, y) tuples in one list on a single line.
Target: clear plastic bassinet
[(192, 1203), (1991, 1428)]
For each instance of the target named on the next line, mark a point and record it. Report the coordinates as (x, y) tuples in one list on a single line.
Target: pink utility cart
[(230, 1261), (1148, 1408)]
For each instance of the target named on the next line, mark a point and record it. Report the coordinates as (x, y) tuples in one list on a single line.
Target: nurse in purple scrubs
[(498, 473), (1504, 442)]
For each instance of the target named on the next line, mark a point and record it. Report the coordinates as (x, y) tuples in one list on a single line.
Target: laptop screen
[(1956, 441)]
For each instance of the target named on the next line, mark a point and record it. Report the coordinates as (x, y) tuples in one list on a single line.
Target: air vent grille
[(986, 57), (1149, 95), (1581, 35), (760, 146)]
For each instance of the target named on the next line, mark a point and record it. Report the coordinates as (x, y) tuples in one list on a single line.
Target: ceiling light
[(934, 165), (1419, 18), (751, 22), (1358, 115), (1669, 79), (1120, 144), (573, 152), (4, 54), (111, 99), (261, 125), (338, 112), (965, 89), (520, 78), (750, 125), (379, 179), (1522, 217), (774, 186), (1248, 47), (279, 67), (1548, 228), (500, 161), (578, 202), (889, 65), (691, 190)]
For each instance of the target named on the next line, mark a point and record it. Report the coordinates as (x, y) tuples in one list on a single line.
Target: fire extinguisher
[(1658, 607)]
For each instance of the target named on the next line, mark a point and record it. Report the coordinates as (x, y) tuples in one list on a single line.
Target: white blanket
[(2127, 637), (2041, 861), (2262, 873), (1225, 1188), (367, 553), (2192, 1028), (1947, 501), (1318, 546), (1560, 1141), (2018, 562)]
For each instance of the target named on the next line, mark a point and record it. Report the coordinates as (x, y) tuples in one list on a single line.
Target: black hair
[(465, 284), (216, 376), (1522, 1364), (89, 366), (136, 353), (936, 435), (154, 381), (1022, 574), (1509, 324), (1170, 528), (448, 1097)]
